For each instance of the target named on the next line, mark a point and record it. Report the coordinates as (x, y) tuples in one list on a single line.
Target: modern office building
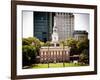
[(80, 35), (42, 25), (65, 25), (44, 22)]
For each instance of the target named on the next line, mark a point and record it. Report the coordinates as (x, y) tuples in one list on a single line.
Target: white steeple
[(55, 32)]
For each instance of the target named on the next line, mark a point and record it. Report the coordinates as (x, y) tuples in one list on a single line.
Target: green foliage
[(71, 42), (74, 51), (62, 43), (47, 43), (80, 47), (29, 54), (30, 40), (83, 48), (30, 49), (33, 41), (83, 44), (42, 43), (84, 56), (25, 41)]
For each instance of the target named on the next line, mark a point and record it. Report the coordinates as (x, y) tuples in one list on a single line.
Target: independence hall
[(56, 54)]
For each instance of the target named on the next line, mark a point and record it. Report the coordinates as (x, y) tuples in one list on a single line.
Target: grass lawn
[(55, 65)]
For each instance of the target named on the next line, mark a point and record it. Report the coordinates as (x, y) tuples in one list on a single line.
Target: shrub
[(84, 56), (28, 54)]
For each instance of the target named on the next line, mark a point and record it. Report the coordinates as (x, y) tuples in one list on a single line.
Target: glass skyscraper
[(42, 25)]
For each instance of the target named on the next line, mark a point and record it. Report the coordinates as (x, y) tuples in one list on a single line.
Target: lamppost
[(48, 44), (63, 53)]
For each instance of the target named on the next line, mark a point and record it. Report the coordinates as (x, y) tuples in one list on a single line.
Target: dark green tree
[(28, 55), (25, 41), (84, 56), (83, 48), (83, 44), (72, 43), (33, 41), (30, 49)]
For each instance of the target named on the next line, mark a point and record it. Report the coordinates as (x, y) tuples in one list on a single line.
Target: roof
[(80, 32)]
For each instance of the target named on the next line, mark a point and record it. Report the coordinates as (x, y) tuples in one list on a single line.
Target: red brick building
[(54, 54)]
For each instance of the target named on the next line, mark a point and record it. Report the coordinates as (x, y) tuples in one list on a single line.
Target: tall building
[(44, 22), (55, 34), (42, 25), (80, 35), (65, 25)]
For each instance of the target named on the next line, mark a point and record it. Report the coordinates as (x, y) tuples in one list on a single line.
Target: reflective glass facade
[(42, 25)]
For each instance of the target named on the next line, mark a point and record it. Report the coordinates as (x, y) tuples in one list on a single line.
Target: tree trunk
[(63, 56), (48, 57)]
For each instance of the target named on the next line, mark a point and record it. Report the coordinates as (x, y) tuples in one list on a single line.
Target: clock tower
[(55, 33)]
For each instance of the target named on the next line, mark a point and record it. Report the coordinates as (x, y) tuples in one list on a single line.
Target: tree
[(72, 43), (30, 40), (84, 57), (83, 44), (25, 41), (83, 48), (48, 44), (80, 47), (74, 51), (63, 43), (30, 49), (28, 55)]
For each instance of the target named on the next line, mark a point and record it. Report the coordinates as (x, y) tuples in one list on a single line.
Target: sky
[(82, 22)]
